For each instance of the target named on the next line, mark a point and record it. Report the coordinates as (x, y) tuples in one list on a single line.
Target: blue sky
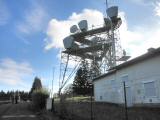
[(31, 34)]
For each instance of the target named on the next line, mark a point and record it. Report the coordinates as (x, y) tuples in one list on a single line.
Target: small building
[(142, 81)]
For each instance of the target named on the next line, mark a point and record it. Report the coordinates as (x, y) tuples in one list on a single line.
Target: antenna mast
[(106, 4)]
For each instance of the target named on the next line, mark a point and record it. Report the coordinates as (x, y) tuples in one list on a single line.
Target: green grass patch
[(75, 99)]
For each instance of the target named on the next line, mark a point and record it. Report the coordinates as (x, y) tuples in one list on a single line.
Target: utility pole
[(52, 90), (52, 80)]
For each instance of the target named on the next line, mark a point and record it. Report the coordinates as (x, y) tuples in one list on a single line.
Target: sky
[(32, 32)]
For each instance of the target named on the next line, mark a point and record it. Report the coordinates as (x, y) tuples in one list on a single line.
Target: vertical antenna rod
[(106, 4)]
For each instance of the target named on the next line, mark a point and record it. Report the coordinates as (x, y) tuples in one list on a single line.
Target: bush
[(39, 98)]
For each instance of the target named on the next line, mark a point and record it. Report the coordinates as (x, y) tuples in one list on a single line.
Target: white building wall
[(138, 75)]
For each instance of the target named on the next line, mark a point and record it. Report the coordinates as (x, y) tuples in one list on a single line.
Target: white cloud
[(13, 73), (139, 39), (59, 29), (35, 20), (4, 13), (157, 9)]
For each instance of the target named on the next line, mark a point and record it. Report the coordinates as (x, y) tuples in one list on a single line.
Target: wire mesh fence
[(83, 108)]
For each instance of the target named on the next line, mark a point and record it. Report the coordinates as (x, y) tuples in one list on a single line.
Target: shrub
[(39, 98)]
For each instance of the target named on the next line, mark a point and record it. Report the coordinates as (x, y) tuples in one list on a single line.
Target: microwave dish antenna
[(83, 25), (112, 12), (74, 29), (69, 43)]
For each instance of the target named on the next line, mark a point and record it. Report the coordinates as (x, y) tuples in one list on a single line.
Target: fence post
[(91, 102), (125, 98), (53, 110)]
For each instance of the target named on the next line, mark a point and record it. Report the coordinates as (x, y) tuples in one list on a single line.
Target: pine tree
[(81, 86), (36, 84)]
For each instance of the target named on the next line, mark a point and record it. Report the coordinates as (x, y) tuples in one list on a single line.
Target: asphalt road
[(16, 112)]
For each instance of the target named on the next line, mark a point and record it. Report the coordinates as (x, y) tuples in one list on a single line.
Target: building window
[(150, 90)]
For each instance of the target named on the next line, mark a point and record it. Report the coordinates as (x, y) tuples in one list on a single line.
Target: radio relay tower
[(98, 49)]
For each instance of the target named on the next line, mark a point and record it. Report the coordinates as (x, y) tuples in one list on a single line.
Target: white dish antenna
[(73, 29), (69, 43), (112, 12), (83, 25)]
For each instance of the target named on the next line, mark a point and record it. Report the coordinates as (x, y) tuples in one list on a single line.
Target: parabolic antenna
[(83, 25), (74, 29), (69, 43), (112, 12)]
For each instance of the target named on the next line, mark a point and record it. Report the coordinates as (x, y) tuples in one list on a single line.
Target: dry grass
[(106, 111)]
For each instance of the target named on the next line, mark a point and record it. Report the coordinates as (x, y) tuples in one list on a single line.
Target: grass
[(75, 99), (79, 98), (77, 110)]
